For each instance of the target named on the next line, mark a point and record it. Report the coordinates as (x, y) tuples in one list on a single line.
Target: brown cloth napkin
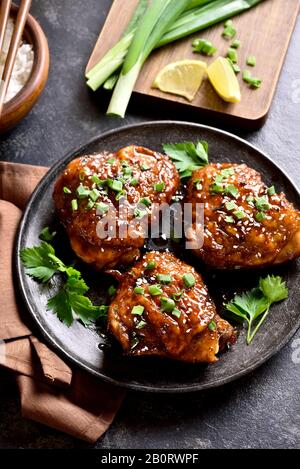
[(51, 391)]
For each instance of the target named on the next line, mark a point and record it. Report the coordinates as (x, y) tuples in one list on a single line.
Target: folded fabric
[(52, 392)]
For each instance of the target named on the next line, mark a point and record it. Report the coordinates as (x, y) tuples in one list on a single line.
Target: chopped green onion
[(112, 290), (94, 195), (138, 213), (177, 296), (111, 161), (252, 81), (134, 182), (232, 55), (115, 185), (204, 47), (176, 313), (74, 205), (127, 171), (146, 201), (151, 265), (198, 184), (232, 190), (95, 179), (262, 203), (225, 173), (229, 219), (82, 192), (271, 191), (139, 290), (189, 280), (234, 66), (137, 310), (90, 205), (212, 326), (236, 44), (102, 207), (81, 175), (260, 216), (230, 206), (141, 324), (251, 60), (164, 278), (134, 342), (239, 214), (144, 167), (159, 187), (250, 199), (167, 304), (155, 290), (121, 194), (229, 31), (216, 188), (67, 190)]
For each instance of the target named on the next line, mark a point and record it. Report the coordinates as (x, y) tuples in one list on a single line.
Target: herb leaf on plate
[(187, 156), (253, 306), (39, 262), (70, 301)]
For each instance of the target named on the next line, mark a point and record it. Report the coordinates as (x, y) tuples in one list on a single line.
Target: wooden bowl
[(19, 106)]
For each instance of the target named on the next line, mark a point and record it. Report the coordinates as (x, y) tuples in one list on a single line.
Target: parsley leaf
[(46, 235), (70, 302), (274, 288), (39, 262), (187, 156), (254, 305)]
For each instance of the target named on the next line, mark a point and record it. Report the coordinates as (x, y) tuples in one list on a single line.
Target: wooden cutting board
[(264, 31)]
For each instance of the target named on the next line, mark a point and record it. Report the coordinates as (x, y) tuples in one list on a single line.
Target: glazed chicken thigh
[(88, 192), (246, 224), (162, 307)]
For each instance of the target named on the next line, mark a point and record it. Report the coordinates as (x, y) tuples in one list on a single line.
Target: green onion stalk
[(115, 57), (158, 19)]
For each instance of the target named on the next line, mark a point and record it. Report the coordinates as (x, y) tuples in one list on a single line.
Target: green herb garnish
[(271, 191), (254, 305), (159, 187), (139, 290), (232, 190), (46, 235), (151, 265), (155, 290), (251, 60), (115, 185), (239, 214), (262, 203), (202, 46), (41, 263), (164, 278), (188, 156), (212, 326), (176, 312), (232, 55), (103, 208), (141, 324), (230, 206), (167, 304), (137, 310), (189, 280), (74, 205), (260, 216), (146, 201), (82, 192), (67, 190), (112, 290), (229, 31), (236, 44)]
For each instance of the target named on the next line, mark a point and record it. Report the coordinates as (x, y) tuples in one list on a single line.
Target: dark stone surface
[(260, 410)]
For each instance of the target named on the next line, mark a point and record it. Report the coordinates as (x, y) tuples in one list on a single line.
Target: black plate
[(90, 348)]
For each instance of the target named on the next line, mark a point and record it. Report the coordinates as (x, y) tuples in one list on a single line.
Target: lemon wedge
[(183, 78), (224, 80)]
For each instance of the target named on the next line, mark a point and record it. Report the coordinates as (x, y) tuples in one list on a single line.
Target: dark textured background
[(259, 411)]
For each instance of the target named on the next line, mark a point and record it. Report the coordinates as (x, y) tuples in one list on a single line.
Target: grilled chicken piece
[(137, 173), (246, 224), (178, 323)]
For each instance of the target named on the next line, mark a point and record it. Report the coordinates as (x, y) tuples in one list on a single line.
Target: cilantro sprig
[(254, 305), (187, 156), (70, 302)]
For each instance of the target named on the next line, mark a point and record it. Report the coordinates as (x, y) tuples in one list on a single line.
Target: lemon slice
[(224, 80), (183, 78)]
